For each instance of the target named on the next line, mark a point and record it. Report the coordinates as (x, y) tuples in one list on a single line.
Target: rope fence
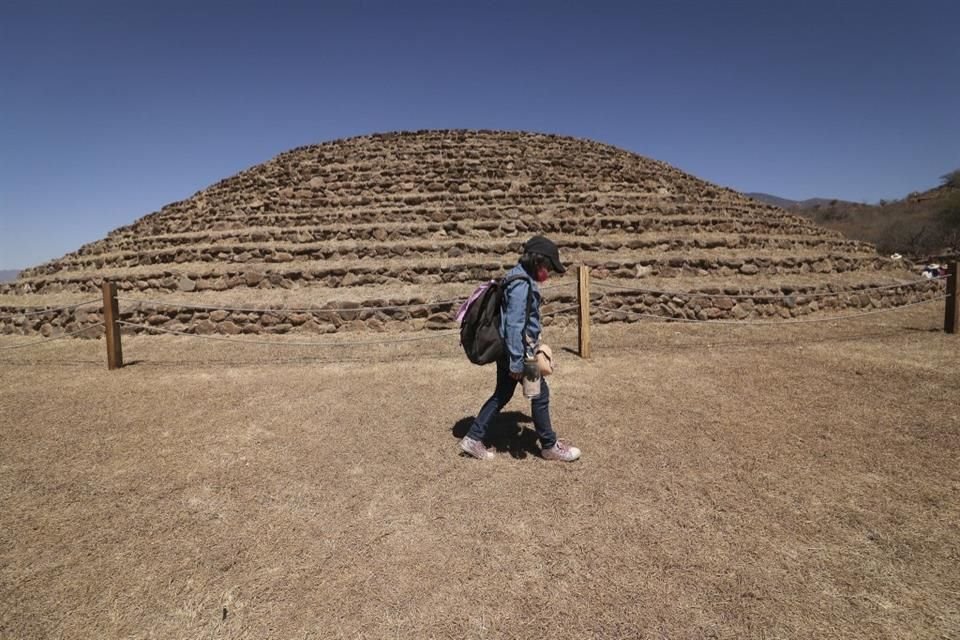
[(760, 296), (40, 312), (846, 316), (287, 343), (315, 343), (181, 305), (588, 304), (393, 307), (54, 338)]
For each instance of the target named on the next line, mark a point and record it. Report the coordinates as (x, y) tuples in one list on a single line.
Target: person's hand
[(516, 376)]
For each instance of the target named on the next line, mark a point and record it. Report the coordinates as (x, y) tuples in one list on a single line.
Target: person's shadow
[(506, 433)]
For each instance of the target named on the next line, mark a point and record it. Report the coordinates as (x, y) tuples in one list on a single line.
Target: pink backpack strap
[(462, 311)]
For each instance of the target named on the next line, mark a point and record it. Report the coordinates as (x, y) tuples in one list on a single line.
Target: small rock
[(229, 328), (823, 266), (350, 280), (726, 304), (205, 327), (219, 315), (749, 269), (253, 278), (437, 324), (315, 327), (186, 284)]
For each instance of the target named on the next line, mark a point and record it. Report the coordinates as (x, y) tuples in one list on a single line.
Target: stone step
[(688, 225), (328, 273), (221, 220), (258, 202), (260, 251)]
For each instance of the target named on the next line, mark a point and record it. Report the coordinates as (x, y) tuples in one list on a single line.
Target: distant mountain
[(785, 203), (8, 275)]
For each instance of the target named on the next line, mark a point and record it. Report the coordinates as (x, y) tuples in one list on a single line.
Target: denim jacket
[(512, 317)]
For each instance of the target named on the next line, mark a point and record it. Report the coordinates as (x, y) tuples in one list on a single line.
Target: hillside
[(918, 226)]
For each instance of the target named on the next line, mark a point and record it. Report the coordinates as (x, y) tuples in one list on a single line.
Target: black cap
[(545, 247)]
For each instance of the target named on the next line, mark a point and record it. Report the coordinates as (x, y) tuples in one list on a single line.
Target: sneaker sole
[(489, 456)]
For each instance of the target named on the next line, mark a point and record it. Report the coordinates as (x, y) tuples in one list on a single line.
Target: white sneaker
[(562, 452), (476, 449)]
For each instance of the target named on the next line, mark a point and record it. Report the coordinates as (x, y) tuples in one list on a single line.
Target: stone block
[(228, 327), (205, 327), (253, 278)]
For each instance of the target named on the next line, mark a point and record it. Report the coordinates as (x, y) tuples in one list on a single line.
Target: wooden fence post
[(951, 315), (111, 314), (583, 299)]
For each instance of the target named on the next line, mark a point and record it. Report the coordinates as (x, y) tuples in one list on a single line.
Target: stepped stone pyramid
[(341, 229)]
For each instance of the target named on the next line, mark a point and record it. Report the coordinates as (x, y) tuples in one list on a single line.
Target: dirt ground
[(736, 482)]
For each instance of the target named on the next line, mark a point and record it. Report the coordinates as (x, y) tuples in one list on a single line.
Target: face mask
[(542, 274)]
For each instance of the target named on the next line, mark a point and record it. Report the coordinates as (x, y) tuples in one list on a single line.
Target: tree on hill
[(949, 214), (952, 179)]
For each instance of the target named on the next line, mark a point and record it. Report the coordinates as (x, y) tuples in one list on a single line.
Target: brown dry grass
[(737, 482)]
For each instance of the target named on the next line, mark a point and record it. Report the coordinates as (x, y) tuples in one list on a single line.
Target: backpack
[(479, 320)]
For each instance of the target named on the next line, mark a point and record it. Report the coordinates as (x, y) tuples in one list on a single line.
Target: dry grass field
[(736, 482)]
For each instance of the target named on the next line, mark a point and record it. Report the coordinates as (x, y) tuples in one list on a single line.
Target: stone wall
[(726, 303)]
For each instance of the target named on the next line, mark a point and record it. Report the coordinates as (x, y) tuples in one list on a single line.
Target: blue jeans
[(540, 407)]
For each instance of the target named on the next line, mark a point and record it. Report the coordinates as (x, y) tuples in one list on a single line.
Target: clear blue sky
[(109, 110)]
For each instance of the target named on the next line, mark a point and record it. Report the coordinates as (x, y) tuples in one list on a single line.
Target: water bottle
[(531, 377)]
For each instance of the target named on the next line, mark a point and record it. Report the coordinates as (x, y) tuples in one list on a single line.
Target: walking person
[(521, 335)]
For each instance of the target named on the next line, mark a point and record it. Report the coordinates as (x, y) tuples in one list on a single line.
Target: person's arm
[(515, 316)]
